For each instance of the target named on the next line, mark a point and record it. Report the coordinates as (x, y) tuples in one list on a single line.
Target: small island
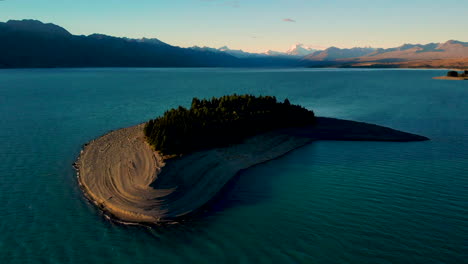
[(454, 75), (170, 167), (221, 122)]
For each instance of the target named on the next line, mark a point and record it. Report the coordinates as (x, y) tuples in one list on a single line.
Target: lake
[(328, 202)]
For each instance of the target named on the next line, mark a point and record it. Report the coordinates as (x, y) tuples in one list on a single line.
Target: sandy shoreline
[(131, 183), (451, 78)]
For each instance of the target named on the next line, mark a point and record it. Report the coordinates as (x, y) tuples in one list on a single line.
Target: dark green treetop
[(452, 74), (219, 122)]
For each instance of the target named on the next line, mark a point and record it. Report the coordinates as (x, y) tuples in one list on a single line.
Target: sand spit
[(451, 78), (131, 183)]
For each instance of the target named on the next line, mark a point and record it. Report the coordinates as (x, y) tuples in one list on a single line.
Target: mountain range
[(33, 44), (297, 50), (451, 54)]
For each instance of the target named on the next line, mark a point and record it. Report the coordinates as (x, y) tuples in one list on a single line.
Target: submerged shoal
[(130, 182)]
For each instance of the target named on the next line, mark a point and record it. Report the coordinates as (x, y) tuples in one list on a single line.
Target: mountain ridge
[(33, 44)]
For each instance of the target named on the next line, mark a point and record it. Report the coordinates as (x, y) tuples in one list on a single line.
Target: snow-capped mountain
[(300, 50), (297, 50)]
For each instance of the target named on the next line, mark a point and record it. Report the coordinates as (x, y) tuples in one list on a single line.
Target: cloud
[(230, 3), (234, 3), (288, 20)]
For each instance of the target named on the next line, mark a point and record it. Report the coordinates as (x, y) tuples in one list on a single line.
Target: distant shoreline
[(451, 78), (132, 184), (236, 67)]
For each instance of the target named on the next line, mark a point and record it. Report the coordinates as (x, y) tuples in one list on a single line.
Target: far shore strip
[(131, 183), (451, 78)]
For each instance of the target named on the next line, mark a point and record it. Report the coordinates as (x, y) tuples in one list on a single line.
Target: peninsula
[(170, 167)]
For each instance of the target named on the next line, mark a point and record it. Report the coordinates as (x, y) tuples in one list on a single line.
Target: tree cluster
[(456, 74), (219, 122), (452, 74)]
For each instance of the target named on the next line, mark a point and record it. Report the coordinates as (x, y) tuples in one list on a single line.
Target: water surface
[(329, 202)]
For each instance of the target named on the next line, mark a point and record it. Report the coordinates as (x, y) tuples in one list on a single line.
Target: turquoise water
[(329, 202)]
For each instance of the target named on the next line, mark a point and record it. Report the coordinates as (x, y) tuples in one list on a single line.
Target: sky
[(255, 25)]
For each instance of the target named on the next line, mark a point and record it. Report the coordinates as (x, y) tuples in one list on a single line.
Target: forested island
[(170, 167), (219, 122)]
